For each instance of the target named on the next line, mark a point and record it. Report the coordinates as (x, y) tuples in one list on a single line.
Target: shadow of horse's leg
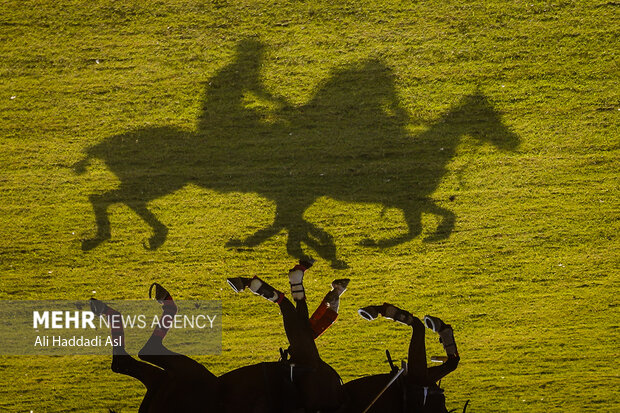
[(100, 203), (413, 219), (323, 243), (446, 225), (257, 238), (160, 231)]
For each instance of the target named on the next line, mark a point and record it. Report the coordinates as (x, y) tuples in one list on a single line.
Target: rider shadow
[(349, 142)]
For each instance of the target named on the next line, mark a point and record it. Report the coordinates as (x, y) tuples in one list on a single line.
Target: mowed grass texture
[(351, 120)]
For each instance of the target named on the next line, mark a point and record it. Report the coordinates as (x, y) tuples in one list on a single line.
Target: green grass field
[(354, 120)]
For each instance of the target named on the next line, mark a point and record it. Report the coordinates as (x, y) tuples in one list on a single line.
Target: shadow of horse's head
[(476, 116)]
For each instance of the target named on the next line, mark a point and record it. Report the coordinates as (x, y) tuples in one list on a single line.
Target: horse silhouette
[(350, 142)]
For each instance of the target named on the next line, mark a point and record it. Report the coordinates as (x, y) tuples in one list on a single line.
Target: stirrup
[(160, 292), (97, 306), (369, 313), (236, 284)]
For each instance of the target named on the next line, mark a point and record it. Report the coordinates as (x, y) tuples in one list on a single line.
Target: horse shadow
[(350, 142)]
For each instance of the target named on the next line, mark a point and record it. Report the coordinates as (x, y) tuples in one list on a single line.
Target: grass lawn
[(458, 159)]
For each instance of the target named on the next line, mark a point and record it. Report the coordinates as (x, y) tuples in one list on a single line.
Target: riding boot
[(446, 334), (259, 287), (296, 279)]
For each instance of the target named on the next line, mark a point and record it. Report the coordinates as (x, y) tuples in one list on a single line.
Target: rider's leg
[(122, 362), (299, 334), (327, 312)]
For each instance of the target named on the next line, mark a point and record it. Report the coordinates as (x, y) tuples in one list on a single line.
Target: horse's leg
[(122, 362), (160, 231), (445, 227), (446, 337), (327, 312), (100, 203), (299, 333), (155, 352), (296, 320), (321, 387), (417, 370)]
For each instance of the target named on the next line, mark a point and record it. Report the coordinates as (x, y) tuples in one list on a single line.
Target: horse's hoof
[(160, 292), (434, 323), (369, 313), (340, 285), (306, 262), (236, 283)]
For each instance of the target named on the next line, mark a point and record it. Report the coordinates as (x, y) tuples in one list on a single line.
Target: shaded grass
[(528, 276)]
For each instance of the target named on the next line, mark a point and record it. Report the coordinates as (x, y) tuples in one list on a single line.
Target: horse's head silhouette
[(349, 142)]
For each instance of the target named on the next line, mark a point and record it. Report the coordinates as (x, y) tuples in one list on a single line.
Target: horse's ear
[(283, 354), (389, 359)]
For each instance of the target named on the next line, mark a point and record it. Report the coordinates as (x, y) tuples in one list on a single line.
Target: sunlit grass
[(528, 276)]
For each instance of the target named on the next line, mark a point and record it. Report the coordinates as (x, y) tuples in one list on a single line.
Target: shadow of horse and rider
[(350, 142)]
